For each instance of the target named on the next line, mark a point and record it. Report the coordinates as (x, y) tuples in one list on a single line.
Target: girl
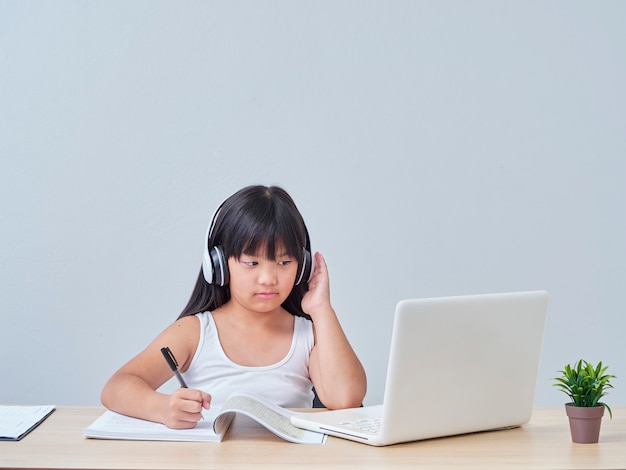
[(251, 324)]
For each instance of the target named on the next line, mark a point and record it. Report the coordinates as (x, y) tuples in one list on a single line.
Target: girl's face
[(261, 284)]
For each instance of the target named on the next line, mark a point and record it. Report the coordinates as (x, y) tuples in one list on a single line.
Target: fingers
[(319, 268), (193, 401), (320, 262), (185, 408), (206, 400)]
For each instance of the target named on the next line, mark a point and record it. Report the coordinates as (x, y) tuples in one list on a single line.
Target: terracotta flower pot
[(584, 423)]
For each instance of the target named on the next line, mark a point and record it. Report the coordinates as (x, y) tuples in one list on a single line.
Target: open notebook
[(457, 365)]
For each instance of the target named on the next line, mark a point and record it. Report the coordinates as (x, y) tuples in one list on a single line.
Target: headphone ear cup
[(306, 268), (207, 265), (220, 266), (214, 266)]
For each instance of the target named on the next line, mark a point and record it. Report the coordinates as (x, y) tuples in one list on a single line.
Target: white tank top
[(286, 383)]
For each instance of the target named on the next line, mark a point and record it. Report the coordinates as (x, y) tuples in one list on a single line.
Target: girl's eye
[(284, 262), (249, 263)]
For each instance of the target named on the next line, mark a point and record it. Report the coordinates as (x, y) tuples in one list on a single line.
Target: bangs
[(263, 233)]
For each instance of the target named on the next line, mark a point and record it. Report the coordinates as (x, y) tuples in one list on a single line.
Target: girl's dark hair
[(255, 218)]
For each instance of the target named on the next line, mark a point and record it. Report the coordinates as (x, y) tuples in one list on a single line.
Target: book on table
[(211, 428), (16, 421)]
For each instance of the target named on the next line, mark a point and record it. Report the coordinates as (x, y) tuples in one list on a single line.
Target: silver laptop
[(457, 365)]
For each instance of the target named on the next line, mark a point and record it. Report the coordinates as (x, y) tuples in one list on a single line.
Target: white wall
[(434, 148)]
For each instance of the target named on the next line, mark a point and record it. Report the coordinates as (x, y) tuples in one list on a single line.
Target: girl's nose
[(267, 275)]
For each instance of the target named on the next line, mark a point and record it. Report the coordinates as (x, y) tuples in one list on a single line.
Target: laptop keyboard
[(367, 424)]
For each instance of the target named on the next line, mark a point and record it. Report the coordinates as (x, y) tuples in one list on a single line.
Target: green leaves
[(585, 384)]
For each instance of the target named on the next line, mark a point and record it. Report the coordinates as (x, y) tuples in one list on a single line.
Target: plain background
[(434, 149)]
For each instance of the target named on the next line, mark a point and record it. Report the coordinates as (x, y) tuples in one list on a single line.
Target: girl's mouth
[(267, 295)]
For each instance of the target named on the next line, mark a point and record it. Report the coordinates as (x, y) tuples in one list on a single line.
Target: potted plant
[(585, 385)]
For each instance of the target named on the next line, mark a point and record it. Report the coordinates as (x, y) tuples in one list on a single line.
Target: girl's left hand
[(317, 298)]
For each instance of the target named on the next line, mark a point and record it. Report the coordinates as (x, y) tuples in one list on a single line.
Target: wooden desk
[(543, 443)]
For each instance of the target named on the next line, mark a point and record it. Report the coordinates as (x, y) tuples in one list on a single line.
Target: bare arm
[(132, 389), (336, 372)]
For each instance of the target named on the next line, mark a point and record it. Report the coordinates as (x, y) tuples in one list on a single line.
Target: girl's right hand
[(184, 408), (317, 298)]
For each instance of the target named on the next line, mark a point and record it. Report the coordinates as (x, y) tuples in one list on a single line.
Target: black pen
[(171, 361)]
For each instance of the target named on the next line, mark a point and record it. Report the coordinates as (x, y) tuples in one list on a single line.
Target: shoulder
[(184, 331), (304, 328), (302, 322), (190, 322), (182, 336)]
